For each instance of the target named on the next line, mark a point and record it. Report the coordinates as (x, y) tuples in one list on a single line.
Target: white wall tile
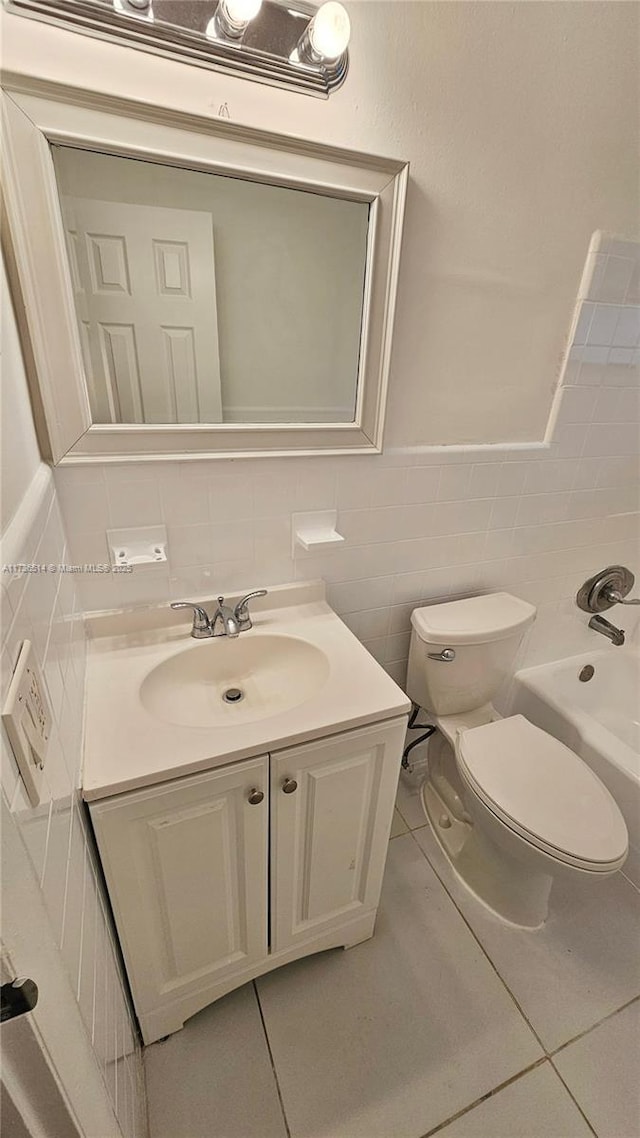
[(618, 471), (484, 479), (585, 316), (616, 279), (45, 608), (184, 501), (462, 517), (86, 502), (418, 525), (143, 586), (135, 503), (620, 247), (603, 324), (577, 405), (190, 545), (618, 405), (623, 368), (627, 332), (537, 509), (454, 482), (512, 478), (503, 512), (611, 439), (549, 477), (368, 624), (569, 440), (422, 484), (354, 596), (232, 541), (389, 486), (231, 498), (316, 488)]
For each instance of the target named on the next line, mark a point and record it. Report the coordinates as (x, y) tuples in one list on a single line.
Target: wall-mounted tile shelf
[(314, 532)]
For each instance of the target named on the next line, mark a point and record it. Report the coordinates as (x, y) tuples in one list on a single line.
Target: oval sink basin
[(222, 682)]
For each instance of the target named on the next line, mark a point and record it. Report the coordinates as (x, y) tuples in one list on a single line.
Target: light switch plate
[(27, 719)]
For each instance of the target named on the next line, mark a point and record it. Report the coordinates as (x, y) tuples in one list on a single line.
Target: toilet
[(512, 807)]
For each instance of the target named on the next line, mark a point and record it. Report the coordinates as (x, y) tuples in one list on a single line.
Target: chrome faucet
[(599, 624), (609, 587), (228, 618), (225, 621)]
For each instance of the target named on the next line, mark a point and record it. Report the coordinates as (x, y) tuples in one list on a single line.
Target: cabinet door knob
[(289, 785), (255, 796)]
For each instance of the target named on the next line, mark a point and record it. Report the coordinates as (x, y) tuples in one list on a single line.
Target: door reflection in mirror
[(204, 298)]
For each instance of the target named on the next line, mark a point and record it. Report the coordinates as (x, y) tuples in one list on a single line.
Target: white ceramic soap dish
[(145, 546), (314, 532)]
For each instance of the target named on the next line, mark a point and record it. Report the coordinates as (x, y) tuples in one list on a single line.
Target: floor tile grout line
[(588, 1030), (547, 1055), (489, 1094), (481, 946), (271, 1060), (631, 883), (555, 1050), (573, 1098)]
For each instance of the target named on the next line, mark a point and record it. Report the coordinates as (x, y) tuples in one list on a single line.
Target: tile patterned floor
[(446, 1022)]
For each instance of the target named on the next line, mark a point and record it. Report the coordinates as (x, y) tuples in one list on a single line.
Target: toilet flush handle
[(445, 656)]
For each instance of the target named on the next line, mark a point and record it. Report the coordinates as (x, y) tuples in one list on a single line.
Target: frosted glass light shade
[(231, 18), (329, 31), (140, 9), (241, 11)]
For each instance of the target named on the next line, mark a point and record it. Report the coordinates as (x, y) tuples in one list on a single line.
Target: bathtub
[(599, 719)]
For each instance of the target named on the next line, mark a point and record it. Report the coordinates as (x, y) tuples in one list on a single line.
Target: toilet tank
[(484, 634)]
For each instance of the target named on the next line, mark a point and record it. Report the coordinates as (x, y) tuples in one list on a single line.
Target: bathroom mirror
[(209, 299), (193, 288)]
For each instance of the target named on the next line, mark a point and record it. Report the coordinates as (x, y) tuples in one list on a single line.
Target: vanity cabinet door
[(186, 867), (331, 809)]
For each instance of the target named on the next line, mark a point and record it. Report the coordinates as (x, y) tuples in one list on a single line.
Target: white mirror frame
[(37, 113)]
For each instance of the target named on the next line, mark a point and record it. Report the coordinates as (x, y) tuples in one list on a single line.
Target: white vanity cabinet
[(212, 884), (331, 807), (185, 864)]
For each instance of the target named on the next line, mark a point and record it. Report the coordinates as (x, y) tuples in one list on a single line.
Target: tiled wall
[(45, 608), (420, 524)]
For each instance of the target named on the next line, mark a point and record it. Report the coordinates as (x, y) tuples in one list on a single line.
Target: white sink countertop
[(127, 745)]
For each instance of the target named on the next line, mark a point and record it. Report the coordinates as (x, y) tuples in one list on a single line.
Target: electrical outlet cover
[(27, 719)]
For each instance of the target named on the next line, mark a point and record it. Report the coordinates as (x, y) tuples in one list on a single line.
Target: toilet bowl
[(512, 807)]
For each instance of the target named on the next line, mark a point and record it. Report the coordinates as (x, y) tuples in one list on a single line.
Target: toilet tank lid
[(474, 620)]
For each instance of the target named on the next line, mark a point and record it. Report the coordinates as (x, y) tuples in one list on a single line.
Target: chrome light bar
[(299, 46)]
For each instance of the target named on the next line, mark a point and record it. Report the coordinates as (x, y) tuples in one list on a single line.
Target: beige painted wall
[(520, 122)]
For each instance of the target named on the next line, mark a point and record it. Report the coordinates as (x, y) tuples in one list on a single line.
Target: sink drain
[(233, 695)]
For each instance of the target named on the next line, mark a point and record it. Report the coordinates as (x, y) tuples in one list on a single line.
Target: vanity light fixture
[(295, 45)]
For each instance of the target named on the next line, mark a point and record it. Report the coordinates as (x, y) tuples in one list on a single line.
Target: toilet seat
[(544, 792)]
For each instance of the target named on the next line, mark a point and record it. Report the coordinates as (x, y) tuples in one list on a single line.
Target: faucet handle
[(617, 598), (201, 625), (241, 611)]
